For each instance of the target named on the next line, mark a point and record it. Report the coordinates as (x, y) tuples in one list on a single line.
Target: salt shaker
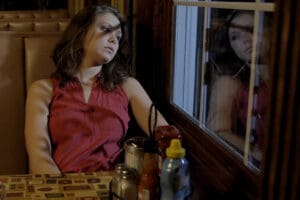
[(124, 184)]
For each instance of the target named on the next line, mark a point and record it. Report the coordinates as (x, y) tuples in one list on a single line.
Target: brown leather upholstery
[(9, 15), (25, 48), (3, 26), (34, 14), (38, 64), (59, 14), (62, 25), (12, 101), (20, 26), (46, 26), (23, 59), (36, 25), (25, 15), (41, 15)]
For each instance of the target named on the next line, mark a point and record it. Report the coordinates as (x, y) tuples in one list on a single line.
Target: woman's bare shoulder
[(131, 86), (41, 84), (41, 88), (227, 80), (226, 84), (129, 81)]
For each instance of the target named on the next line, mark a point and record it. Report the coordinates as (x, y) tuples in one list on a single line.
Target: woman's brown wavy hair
[(69, 51)]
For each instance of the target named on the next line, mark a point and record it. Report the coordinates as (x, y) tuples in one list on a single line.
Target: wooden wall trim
[(281, 171)]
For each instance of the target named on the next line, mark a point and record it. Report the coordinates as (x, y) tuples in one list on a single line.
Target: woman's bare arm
[(37, 138), (221, 103), (140, 104)]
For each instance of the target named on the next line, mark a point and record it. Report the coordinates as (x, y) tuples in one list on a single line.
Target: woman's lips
[(109, 49)]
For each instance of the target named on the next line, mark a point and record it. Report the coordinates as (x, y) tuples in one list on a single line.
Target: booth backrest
[(38, 63), (35, 25), (23, 59), (12, 101), (24, 14)]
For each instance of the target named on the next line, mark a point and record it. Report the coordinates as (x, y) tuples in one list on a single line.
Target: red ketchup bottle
[(163, 136), (148, 188)]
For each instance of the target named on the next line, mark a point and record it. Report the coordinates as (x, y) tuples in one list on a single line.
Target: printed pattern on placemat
[(75, 186)]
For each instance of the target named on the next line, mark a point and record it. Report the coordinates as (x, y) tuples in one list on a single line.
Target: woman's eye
[(105, 29), (234, 36)]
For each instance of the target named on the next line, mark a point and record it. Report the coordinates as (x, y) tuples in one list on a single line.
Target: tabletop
[(75, 186)]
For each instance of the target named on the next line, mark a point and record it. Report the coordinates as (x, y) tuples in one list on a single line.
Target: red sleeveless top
[(86, 136), (259, 109)]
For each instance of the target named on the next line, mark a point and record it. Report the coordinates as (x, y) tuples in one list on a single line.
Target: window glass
[(187, 58), (228, 79), (227, 70), (260, 87), (221, 71)]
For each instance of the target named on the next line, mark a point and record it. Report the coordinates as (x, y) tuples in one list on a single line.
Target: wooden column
[(281, 171)]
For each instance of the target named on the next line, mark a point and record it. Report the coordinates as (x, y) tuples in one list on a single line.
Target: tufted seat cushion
[(45, 26), (36, 25), (3, 26), (21, 26), (25, 15), (41, 15), (9, 15), (58, 14), (62, 25)]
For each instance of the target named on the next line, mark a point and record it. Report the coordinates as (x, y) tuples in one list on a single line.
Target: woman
[(76, 119), (231, 51)]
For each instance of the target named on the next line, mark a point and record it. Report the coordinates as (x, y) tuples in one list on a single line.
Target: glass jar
[(124, 184)]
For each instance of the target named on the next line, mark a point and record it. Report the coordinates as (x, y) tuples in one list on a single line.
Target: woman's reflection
[(230, 55)]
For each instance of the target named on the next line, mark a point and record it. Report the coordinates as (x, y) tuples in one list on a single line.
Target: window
[(220, 70)]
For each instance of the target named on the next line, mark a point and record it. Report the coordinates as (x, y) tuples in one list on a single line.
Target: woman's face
[(101, 42), (241, 34)]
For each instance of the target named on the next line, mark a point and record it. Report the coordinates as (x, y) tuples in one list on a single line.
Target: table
[(75, 186)]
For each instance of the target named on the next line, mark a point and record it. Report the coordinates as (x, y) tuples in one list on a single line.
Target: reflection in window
[(230, 50), (220, 64)]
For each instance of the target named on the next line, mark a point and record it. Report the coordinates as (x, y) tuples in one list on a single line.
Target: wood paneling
[(216, 172), (281, 172)]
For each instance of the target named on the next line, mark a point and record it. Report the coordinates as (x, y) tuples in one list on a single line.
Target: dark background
[(33, 4)]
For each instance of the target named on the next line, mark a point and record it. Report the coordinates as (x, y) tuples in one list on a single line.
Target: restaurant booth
[(28, 33)]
